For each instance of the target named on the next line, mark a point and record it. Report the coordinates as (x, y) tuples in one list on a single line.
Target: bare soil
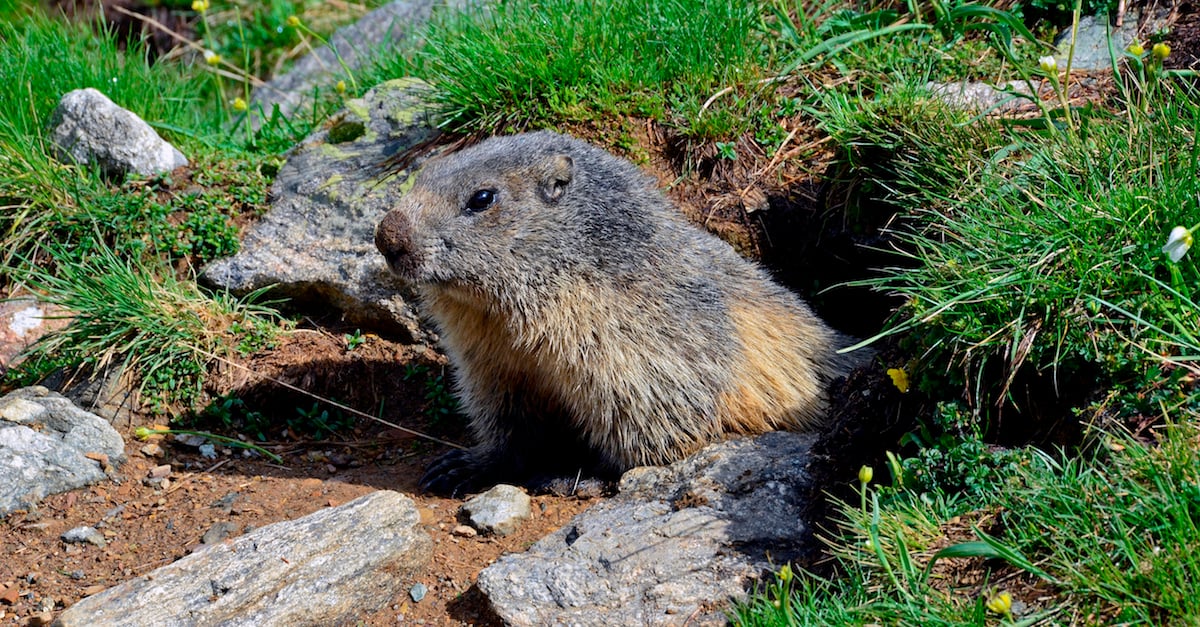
[(782, 209), (149, 527)]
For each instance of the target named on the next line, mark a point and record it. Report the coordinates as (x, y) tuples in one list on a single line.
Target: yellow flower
[(211, 57), (1000, 603), (899, 378), (200, 6), (340, 87), (1136, 49), (293, 21), (142, 433), (239, 104), (1048, 64), (865, 474), (1178, 243), (1160, 51), (785, 573)]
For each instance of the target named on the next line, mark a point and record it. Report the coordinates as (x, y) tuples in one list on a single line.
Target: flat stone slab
[(675, 545), (45, 443), (322, 569)]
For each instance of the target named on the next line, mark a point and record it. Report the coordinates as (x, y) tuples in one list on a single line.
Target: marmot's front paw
[(453, 474)]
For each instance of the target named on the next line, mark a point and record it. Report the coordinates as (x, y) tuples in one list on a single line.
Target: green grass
[(258, 38), (107, 249), (1109, 537), (42, 58), (1025, 251), (129, 312), (1025, 255), (527, 64)]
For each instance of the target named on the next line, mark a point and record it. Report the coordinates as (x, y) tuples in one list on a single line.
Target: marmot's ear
[(557, 172)]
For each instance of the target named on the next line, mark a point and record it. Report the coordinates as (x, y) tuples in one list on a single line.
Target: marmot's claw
[(451, 474)]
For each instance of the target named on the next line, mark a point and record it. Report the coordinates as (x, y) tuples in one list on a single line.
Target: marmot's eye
[(481, 199)]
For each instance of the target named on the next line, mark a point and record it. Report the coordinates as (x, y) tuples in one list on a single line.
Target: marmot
[(590, 326)]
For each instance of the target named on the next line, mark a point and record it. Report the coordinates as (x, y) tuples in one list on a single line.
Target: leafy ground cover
[(1024, 276)]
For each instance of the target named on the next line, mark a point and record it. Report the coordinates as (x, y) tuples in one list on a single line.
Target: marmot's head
[(513, 210)]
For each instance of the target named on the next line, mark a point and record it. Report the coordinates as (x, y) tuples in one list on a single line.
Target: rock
[(316, 244), (44, 442), (982, 97), (22, 321), (9, 594), (322, 569), (218, 532), (1092, 47), (80, 535), (500, 510), (111, 393), (677, 541), (417, 592), (89, 129), (464, 531), (379, 30)]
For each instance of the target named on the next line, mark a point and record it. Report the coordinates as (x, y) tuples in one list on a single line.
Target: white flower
[(1178, 243), (1048, 64)]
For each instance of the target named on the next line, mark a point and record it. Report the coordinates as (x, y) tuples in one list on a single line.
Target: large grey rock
[(316, 244), (44, 440), (500, 510), (386, 27), (1096, 33), (323, 569), (674, 546), (88, 128)]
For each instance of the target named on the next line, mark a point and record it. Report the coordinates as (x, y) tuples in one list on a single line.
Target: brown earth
[(782, 210), (147, 528)]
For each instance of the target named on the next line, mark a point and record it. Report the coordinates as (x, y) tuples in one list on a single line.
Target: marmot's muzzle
[(393, 238)]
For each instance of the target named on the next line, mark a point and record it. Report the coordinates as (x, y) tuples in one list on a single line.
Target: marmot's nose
[(393, 238)]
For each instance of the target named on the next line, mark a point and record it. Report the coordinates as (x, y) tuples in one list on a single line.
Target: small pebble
[(207, 451), (465, 531), (38, 620), (157, 483), (159, 472), (84, 534), (218, 532), (417, 592), (152, 450)]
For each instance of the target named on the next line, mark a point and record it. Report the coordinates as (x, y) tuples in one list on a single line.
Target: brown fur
[(590, 325)]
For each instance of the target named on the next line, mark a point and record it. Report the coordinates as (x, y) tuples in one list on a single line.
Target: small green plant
[(727, 150), (354, 340), (320, 422), (440, 402)]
